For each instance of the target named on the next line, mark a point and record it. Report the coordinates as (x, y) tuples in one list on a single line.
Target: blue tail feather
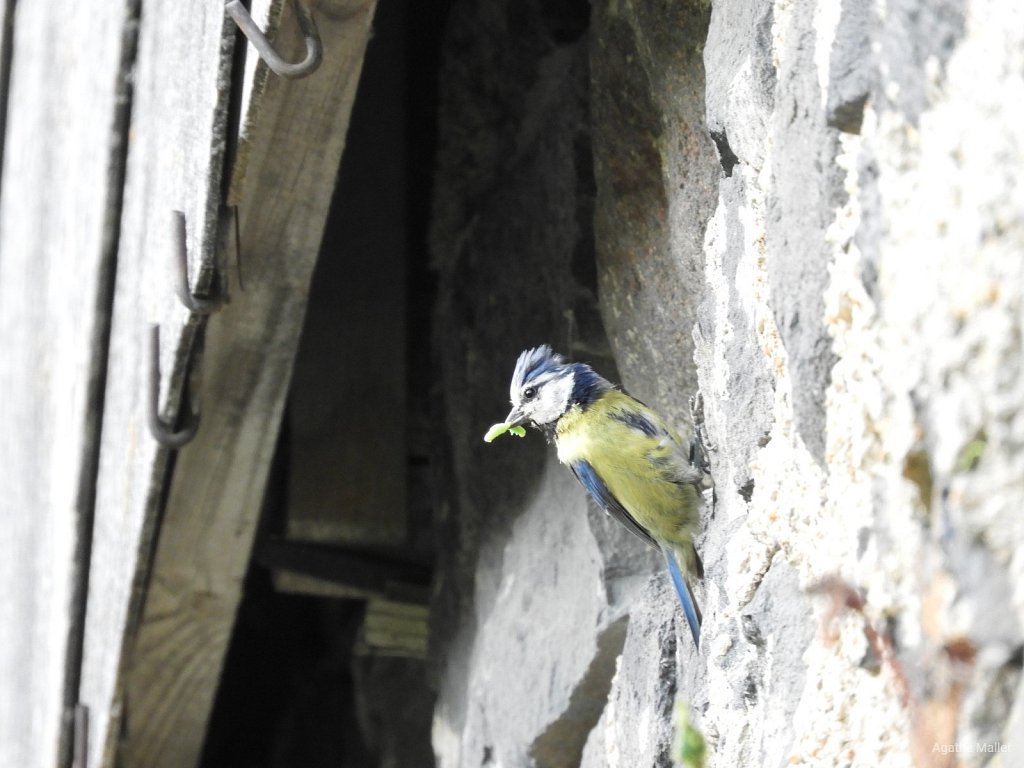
[(685, 596)]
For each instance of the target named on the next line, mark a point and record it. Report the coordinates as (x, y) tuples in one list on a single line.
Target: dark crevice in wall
[(726, 156), (566, 20)]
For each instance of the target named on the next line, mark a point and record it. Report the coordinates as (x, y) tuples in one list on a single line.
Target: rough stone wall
[(811, 212), (867, 249)]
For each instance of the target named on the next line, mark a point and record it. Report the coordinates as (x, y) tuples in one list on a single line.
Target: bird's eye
[(529, 392)]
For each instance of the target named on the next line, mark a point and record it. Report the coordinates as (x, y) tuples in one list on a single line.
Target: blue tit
[(631, 463)]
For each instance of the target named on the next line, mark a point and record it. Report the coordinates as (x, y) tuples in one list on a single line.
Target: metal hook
[(314, 49), (163, 434), (190, 300)]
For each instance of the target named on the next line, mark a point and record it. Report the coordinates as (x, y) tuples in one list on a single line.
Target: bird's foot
[(700, 444)]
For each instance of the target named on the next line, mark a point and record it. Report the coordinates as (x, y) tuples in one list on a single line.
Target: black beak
[(516, 417)]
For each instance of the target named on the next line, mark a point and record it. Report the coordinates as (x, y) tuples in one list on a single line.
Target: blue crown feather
[(534, 362)]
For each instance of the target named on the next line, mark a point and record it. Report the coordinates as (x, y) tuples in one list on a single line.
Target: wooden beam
[(181, 78), (353, 573), (293, 133), (60, 191)]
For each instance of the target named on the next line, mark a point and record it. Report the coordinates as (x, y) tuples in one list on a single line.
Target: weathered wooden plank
[(178, 127), (59, 195), (291, 146), (346, 572)]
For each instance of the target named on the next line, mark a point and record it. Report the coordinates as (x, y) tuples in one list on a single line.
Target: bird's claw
[(700, 444)]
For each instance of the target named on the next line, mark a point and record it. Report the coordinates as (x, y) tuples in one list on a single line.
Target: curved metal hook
[(190, 300), (314, 49), (163, 434)]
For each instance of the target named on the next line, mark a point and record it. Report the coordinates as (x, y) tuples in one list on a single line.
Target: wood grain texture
[(59, 194), (178, 134), (290, 151)]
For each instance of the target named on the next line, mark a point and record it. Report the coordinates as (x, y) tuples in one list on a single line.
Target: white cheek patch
[(552, 400)]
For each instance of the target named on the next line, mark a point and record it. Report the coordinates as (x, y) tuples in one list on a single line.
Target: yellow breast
[(636, 467)]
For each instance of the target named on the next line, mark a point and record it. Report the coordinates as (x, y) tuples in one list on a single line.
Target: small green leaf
[(690, 749), (497, 430), (971, 454)]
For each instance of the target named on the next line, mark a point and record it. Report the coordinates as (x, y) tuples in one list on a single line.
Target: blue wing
[(599, 492), (685, 595), (597, 489)]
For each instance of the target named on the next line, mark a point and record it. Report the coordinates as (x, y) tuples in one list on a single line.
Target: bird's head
[(544, 386)]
